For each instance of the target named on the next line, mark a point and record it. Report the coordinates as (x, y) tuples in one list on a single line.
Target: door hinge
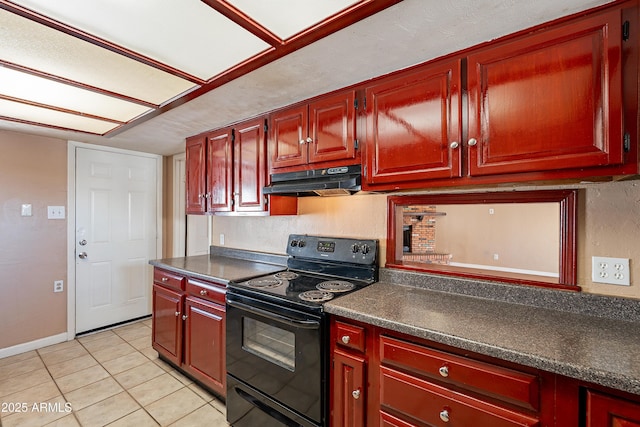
[(355, 103), (364, 103), (266, 126), (625, 31), (627, 142), (356, 144), (233, 135)]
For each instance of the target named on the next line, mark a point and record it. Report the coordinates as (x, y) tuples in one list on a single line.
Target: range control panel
[(358, 251)]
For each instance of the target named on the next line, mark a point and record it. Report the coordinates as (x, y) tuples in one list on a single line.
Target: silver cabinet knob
[(346, 339), (165, 279), (472, 142), (355, 394), (82, 242), (444, 415), (454, 145), (309, 140), (302, 142), (444, 371), (177, 313), (184, 317), (82, 255), (203, 292)]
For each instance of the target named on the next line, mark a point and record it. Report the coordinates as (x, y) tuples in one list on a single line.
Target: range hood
[(338, 181)]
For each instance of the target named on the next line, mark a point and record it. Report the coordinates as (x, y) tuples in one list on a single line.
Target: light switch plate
[(55, 212), (25, 210)]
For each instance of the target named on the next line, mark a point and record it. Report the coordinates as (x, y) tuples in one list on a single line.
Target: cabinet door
[(287, 137), (205, 348), (249, 166), (552, 100), (219, 171), (348, 390), (608, 411), (332, 123), (414, 127), (195, 166), (167, 323)]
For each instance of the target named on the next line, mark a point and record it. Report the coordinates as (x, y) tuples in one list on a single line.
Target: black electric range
[(277, 333), (318, 270)]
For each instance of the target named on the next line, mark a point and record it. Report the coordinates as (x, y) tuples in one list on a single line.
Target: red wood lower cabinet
[(349, 387), (167, 323), (610, 411), (413, 398), (188, 327), (204, 356)]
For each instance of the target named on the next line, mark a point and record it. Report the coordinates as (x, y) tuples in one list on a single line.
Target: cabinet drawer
[(350, 336), (432, 404), (505, 384), (207, 290), (170, 280)]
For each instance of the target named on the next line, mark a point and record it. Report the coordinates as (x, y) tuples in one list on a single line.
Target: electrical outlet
[(613, 271), (221, 239), (58, 286)]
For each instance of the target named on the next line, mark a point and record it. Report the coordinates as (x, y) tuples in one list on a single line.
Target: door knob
[(82, 242), (82, 255)]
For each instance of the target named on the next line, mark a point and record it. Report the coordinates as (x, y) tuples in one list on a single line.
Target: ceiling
[(144, 75)]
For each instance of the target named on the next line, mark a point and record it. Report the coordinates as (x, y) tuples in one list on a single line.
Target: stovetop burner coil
[(265, 282), (315, 296), (335, 286), (286, 275)]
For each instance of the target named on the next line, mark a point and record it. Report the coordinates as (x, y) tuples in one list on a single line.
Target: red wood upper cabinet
[(219, 170), (414, 125), (249, 166), (609, 411), (321, 131), (549, 100), (208, 167), (196, 174)]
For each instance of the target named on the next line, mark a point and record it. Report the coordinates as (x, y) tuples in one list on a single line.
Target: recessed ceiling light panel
[(186, 35), (286, 18)]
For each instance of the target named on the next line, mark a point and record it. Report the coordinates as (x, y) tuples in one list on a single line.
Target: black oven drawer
[(247, 407), (278, 352)]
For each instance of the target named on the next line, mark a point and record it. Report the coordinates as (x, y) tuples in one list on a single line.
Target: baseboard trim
[(33, 345)]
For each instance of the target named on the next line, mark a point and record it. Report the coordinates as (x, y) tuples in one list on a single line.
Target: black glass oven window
[(270, 343)]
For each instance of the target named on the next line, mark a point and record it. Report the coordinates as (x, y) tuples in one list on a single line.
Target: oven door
[(278, 352)]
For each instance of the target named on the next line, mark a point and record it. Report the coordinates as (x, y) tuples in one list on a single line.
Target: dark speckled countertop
[(224, 266), (600, 347)]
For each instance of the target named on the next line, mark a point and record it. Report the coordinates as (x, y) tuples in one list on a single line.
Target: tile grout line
[(56, 384)]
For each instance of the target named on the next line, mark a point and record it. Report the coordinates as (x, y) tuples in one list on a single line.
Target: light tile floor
[(111, 378)]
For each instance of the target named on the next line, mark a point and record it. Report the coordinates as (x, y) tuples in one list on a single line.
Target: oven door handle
[(305, 324)]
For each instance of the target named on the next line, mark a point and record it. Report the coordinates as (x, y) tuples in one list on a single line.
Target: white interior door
[(115, 236)]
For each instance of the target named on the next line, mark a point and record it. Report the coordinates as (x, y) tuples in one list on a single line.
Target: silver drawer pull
[(165, 279), (184, 317), (203, 292), (444, 371), (346, 339), (444, 415), (355, 394), (177, 313)]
